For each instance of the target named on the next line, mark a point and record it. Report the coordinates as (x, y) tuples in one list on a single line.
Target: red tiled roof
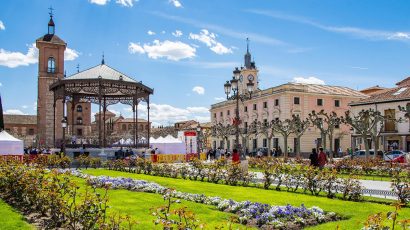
[(388, 95)]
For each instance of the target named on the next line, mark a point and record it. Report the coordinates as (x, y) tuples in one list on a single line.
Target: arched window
[(51, 65), (79, 108), (124, 127), (79, 121), (129, 126)]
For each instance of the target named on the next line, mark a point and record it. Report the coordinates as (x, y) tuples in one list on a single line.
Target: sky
[(187, 49)]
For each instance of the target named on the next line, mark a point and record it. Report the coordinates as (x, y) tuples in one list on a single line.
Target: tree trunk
[(331, 146), (269, 147), (366, 146), (298, 146), (285, 143), (323, 141)]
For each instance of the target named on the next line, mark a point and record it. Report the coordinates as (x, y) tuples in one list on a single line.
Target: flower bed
[(251, 213)]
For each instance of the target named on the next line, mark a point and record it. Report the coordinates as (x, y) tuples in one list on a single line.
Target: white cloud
[(199, 90), (176, 3), (14, 112), (219, 98), (150, 32), (168, 114), (14, 59), (1, 84), (99, 2), (127, 3), (352, 31), (163, 32), (2, 27), (170, 50), (24, 106), (198, 109), (209, 39), (177, 33), (70, 54), (308, 80)]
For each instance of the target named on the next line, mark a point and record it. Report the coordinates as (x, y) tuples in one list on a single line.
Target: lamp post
[(198, 149), (352, 145), (232, 86), (64, 125)]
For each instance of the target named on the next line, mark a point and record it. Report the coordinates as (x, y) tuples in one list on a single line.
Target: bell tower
[(50, 68), (249, 73)]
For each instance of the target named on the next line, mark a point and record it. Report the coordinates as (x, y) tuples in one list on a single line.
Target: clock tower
[(248, 73), (50, 68)]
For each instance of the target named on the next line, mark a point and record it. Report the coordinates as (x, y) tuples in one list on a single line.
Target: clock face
[(241, 78), (250, 77)]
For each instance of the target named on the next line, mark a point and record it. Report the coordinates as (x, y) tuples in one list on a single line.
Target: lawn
[(138, 205), (10, 219), (356, 212)]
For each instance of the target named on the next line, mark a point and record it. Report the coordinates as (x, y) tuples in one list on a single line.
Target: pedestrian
[(313, 158), (218, 153), (235, 157), (322, 159), (279, 152)]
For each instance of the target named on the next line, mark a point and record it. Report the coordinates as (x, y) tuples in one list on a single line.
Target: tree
[(365, 124), (1, 116), (284, 128), (265, 128), (222, 131), (327, 123), (247, 132), (300, 126)]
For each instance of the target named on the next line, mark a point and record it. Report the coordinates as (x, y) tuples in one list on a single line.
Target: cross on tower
[(51, 11)]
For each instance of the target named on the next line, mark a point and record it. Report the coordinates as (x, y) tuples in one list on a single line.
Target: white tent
[(168, 145), (10, 145)]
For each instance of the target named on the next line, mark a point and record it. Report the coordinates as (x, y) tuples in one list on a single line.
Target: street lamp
[(64, 125), (352, 144), (198, 132), (233, 86)]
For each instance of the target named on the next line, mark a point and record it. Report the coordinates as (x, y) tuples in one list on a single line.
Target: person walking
[(314, 158), (322, 159)]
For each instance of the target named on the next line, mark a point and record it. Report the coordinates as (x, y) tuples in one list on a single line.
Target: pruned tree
[(246, 133), (265, 129), (285, 129), (327, 123), (365, 124), (222, 131), (300, 127)]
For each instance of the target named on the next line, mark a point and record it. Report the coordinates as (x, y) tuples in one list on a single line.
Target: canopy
[(168, 145), (10, 145)]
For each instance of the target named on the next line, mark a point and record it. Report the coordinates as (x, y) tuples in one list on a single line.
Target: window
[(389, 124), (79, 132), (221, 114), (246, 109), (296, 100), (320, 102), (265, 122), (229, 112), (265, 104), (214, 115), (79, 121), (276, 102), (51, 65), (124, 127), (246, 126), (130, 127), (254, 107), (31, 132), (265, 142), (79, 108), (337, 103), (141, 127), (255, 144), (276, 143), (337, 126)]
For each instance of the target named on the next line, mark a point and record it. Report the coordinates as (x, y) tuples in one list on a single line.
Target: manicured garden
[(11, 219), (355, 212)]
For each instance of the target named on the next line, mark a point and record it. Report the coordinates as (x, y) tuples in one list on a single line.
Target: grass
[(138, 204), (10, 219), (356, 212)]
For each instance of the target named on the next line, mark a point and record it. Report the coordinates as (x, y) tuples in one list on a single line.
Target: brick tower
[(50, 68)]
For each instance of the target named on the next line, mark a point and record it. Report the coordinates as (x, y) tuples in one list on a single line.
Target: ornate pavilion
[(104, 86)]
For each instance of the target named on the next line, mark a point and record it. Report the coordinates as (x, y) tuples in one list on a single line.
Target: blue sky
[(187, 49)]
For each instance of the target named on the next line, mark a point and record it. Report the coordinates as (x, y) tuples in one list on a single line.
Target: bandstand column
[(72, 116), (149, 126), (104, 110), (64, 115), (136, 124), (133, 123), (99, 113)]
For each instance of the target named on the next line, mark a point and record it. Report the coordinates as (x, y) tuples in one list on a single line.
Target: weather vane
[(51, 11)]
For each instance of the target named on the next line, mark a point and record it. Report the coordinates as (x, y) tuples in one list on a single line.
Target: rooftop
[(103, 71), (20, 119), (51, 38)]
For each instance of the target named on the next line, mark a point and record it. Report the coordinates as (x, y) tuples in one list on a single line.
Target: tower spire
[(102, 61), (51, 26), (247, 57), (247, 45)]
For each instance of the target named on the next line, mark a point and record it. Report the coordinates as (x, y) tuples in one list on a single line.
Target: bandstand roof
[(101, 83)]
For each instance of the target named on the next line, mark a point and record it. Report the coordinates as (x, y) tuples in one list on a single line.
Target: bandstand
[(104, 86)]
